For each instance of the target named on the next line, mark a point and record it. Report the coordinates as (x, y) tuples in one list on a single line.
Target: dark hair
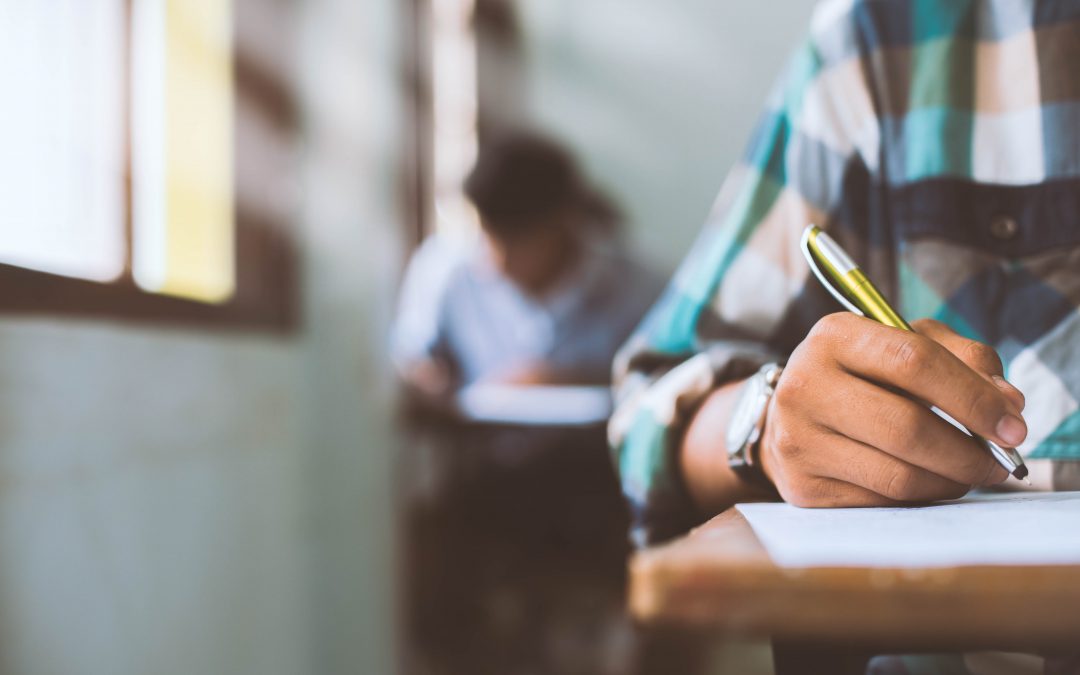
[(521, 178)]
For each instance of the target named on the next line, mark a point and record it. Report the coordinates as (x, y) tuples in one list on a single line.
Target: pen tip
[(1028, 481)]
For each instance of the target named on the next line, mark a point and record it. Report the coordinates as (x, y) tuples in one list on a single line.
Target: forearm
[(712, 485)]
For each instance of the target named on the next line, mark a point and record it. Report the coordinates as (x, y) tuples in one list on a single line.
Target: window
[(61, 128), (440, 57), (465, 73), (182, 211), (122, 154), (454, 108)]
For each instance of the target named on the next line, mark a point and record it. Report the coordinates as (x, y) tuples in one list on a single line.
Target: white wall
[(150, 510), (189, 502), (350, 72), (658, 97)]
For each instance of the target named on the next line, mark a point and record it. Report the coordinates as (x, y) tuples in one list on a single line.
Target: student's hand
[(540, 374), (429, 378), (850, 423), (529, 375)]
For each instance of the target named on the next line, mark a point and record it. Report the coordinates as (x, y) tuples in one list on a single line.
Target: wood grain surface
[(720, 577)]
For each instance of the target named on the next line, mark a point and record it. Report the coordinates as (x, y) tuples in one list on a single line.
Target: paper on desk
[(536, 404), (1000, 529)]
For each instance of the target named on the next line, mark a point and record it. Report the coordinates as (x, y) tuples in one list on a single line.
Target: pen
[(854, 290)]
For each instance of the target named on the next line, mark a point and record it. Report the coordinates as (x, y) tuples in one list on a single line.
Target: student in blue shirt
[(544, 295)]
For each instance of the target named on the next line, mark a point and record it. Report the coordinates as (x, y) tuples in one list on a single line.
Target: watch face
[(744, 416)]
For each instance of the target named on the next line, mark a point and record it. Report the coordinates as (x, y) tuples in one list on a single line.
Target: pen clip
[(808, 253)]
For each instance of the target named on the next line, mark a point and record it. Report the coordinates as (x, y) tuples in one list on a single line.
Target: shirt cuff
[(647, 431)]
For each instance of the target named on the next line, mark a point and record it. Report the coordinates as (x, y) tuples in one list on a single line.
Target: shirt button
[(1004, 227)]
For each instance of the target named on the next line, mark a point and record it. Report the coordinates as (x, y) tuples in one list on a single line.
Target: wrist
[(763, 456), (704, 468), (745, 430)]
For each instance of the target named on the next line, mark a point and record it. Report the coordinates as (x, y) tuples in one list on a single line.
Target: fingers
[(850, 421), (824, 493), (1015, 395), (924, 369), (910, 432), (978, 356), (835, 470), (886, 475)]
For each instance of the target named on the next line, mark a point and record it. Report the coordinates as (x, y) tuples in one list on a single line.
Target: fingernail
[(1012, 430)]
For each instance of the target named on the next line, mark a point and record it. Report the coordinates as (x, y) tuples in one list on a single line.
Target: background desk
[(720, 578), (513, 541)]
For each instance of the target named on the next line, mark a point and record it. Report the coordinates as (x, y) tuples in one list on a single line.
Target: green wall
[(658, 97)]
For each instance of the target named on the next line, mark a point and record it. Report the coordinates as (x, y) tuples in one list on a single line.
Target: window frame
[(417, 193), (266, 257)]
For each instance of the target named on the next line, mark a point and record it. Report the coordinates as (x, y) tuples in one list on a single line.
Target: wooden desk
[(719, 577)]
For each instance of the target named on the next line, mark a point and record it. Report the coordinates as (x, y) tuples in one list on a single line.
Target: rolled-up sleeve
[(418, 332)]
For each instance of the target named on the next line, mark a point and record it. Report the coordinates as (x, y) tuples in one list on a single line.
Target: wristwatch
[(746, 424)]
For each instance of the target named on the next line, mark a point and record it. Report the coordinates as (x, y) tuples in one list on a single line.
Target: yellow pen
[(854, 290)]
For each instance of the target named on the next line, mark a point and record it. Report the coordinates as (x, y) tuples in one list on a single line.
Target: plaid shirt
[(939, 143)]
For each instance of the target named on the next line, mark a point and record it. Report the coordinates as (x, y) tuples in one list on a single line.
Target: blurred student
[(545, 295)]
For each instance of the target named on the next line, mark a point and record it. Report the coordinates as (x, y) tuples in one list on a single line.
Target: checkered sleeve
[(735, 289)]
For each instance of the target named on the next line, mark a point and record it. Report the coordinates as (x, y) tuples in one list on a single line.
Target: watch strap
[(746, 465)]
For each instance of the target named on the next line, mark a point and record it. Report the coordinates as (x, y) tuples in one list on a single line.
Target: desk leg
[(803, 658)]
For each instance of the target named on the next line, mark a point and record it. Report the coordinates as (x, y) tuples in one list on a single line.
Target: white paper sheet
[(535, 405), (1000, 529)]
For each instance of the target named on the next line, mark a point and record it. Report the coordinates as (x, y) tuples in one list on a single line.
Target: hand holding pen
[(854, 290), (851, 423)]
